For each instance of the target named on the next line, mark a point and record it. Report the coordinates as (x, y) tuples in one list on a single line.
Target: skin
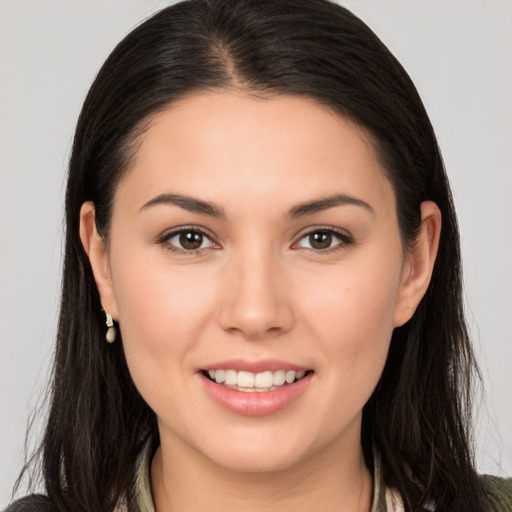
[(255, 290)]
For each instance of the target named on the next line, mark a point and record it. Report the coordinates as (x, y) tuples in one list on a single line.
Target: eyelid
[(345, 238), (164, 238)]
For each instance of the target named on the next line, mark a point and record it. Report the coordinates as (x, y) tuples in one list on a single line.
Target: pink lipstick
[(255, 388)]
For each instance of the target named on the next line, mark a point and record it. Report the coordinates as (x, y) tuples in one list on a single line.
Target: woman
[(261, 301)]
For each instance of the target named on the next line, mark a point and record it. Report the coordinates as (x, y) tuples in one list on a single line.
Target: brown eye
[(324, 240), (320, 240), (188, 240), (191, 240)]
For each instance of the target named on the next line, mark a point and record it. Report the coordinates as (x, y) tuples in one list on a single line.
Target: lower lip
[(256, 403)]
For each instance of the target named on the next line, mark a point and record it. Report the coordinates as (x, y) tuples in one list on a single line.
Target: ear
[(419, 264), (96, 250)]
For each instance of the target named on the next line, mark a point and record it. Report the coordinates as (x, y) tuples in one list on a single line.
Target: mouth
[(249, 382)]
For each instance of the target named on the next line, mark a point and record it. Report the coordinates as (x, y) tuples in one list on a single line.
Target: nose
[(257, 299)]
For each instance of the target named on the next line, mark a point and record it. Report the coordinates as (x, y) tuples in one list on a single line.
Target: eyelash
[(164, 240), (345, 240)]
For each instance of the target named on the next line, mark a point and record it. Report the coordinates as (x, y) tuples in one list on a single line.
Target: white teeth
[(279, 377), (245, 379), (290, 376), (231, 377), (248, 381), (264, 380)]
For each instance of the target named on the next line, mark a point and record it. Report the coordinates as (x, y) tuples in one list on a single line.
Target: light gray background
[(459, 53)]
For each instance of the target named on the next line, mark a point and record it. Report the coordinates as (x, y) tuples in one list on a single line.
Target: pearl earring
[(110, 336)]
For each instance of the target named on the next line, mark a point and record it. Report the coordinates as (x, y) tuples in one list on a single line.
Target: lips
[(255, 388)]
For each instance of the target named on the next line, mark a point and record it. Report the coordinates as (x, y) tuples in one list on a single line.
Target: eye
[(188, 240), (323, 240)]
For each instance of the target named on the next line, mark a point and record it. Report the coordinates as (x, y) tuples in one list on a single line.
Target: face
[(255, 242)]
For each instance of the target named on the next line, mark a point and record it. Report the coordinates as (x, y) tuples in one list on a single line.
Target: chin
[(259, 453), (257, 462)]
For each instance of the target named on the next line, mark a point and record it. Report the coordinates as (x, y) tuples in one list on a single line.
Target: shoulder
[(32, 503), (498, 492)]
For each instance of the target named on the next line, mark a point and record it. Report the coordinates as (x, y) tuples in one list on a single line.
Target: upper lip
[(255, 366)]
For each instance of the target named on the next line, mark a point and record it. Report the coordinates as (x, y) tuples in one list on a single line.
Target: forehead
[(222, 145)]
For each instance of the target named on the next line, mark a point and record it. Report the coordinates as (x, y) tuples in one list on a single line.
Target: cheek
[(162, 311), (154, 295), (350, 313), (353, 303)]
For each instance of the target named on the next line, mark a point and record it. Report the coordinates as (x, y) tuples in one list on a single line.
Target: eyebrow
[(187, 203), (325, 203), (194, 205)]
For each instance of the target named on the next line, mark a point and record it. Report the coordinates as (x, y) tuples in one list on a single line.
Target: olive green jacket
[(498, 492)]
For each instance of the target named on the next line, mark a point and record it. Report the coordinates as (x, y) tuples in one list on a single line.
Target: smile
[(250, 382), (270, 387)]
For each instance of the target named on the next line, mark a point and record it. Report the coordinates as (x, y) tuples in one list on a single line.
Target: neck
[(335, 479)]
